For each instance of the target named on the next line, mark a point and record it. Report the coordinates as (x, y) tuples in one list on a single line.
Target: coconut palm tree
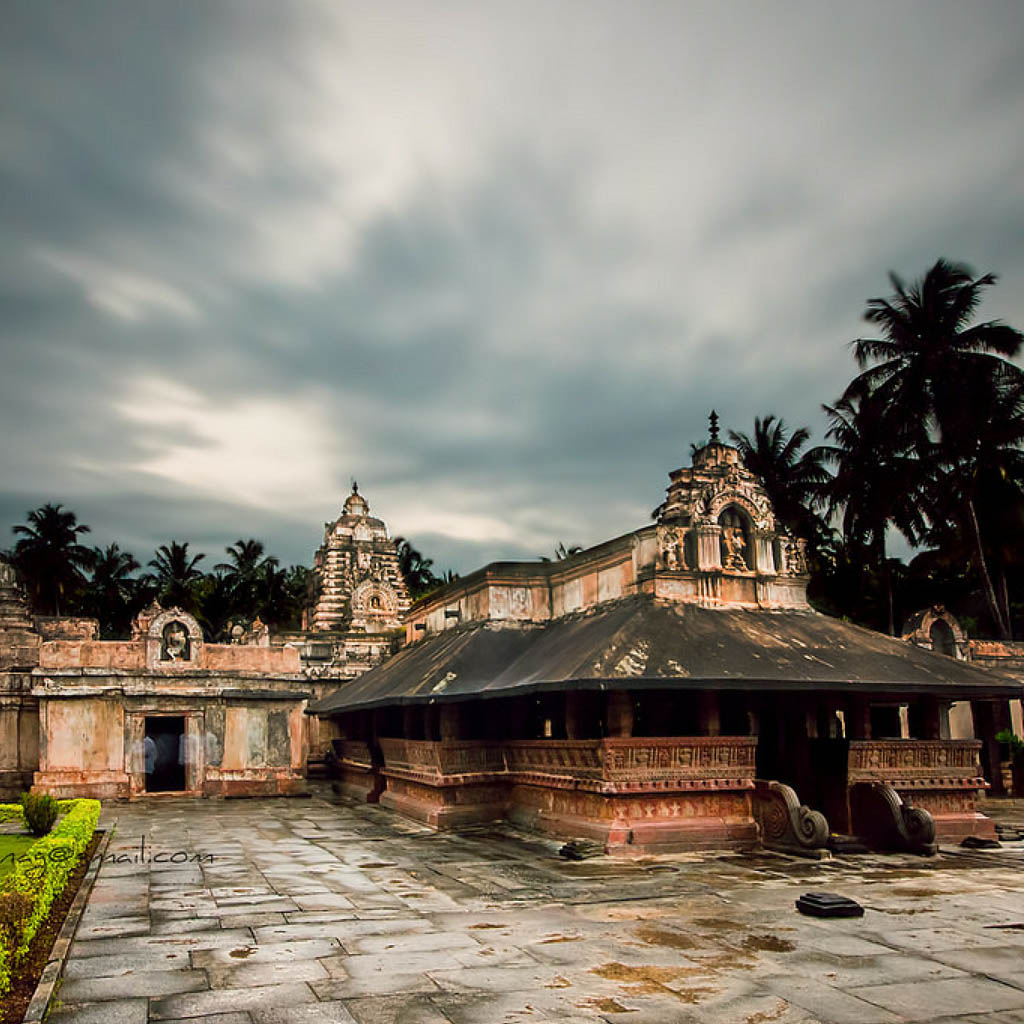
[(928, 370), (927, 342), (792, 477), (110, 592), (416, 570), (176, 577), (877, 479), (977, 491), (50, 559), (245, 573)]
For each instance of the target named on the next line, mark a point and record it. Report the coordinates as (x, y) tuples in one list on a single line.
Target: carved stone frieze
[(606, 766), (924, 764)]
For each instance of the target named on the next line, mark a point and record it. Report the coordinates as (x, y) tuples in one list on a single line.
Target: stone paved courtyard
[(317, 911)]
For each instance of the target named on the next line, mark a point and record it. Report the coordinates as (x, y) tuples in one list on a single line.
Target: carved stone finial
[(713, 422)]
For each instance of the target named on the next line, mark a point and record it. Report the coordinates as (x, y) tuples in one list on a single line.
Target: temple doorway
[(165, 753)]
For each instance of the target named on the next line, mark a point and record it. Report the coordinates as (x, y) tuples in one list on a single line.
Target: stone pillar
[(931, 719), (858, 719), (709, 712), (619, 713), (411, 722), (945, 731), (987, 722), (904, 713), (431, 728), (575, 718), (451, 721), (764, 555), (709, 547)]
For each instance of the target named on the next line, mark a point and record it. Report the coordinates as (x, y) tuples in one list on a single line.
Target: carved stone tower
[(360, 584), (717, 527)]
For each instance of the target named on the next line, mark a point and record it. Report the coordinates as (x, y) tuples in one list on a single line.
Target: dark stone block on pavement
[(980, 843), (828, 904), (581, 849)]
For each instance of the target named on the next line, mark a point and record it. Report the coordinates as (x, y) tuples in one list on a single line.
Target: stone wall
[(233, 744)]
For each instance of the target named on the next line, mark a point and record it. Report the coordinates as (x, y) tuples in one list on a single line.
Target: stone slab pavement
[(287, 911)]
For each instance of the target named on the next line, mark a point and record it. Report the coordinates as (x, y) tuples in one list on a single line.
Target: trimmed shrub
[(40, 811), (38, 879)]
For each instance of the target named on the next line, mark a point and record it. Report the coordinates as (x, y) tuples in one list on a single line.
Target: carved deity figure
[(175, 645), (8, 579), (735, 543), (796, 564), (670, 552)]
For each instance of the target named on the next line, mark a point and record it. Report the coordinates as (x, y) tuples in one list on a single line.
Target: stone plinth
[(635, 795), (942, 777), (359, 776), (444, 783)]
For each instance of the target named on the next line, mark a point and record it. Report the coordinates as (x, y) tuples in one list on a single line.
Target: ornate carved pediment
[(173, 638)]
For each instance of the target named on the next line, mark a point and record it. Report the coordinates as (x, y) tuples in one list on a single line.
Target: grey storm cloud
[(496, 262)]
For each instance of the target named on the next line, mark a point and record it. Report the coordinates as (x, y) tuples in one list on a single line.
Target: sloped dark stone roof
[(636, 644)]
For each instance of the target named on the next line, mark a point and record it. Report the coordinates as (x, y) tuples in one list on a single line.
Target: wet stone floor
[(279, 911)]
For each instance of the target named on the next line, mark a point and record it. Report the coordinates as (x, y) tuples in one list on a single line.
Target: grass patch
[(11, 848)]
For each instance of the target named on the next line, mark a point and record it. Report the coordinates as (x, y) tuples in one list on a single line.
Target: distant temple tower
[(360, 584)]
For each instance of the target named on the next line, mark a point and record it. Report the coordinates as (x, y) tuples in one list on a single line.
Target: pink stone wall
[(261, 660), (131, 654), (114, 654), (84, 735)]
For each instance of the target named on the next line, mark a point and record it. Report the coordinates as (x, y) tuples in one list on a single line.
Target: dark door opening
[(165, 754)]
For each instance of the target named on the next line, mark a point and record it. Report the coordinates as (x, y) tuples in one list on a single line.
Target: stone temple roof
[(355, 503), (638, 644)]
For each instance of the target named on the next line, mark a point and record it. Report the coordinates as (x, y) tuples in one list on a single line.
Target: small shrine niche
[(175, 644), (736, 546), (174, 639)]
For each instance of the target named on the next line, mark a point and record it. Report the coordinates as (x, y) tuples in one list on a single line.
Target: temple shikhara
[(360, 598), (669, 689)]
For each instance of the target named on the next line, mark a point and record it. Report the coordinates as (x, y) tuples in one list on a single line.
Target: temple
[(669, 689), (163, 711), (359, 600), (167, 711)]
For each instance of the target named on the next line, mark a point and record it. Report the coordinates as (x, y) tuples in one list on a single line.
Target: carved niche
[(173, 640)]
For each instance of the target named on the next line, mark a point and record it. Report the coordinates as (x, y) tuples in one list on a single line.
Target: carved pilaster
[(764, 555), (709, 547)]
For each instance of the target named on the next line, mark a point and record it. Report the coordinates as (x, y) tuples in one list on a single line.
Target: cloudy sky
[(495, 261)]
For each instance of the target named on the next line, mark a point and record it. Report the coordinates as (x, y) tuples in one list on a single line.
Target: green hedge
[(11, 812), (39, 878)]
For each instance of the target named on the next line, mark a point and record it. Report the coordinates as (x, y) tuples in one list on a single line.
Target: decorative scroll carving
[(917, 764), (884, 821), (786, 824)]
